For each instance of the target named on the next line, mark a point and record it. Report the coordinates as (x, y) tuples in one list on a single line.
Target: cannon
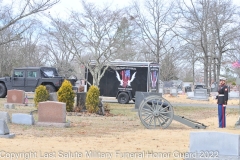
[(156, 112)]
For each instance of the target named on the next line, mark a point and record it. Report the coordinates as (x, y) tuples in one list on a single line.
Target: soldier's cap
[(222, 78)]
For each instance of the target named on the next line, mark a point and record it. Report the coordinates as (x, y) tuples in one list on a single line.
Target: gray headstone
[(81, 99), (166, 90), (200, 94), (5, 116), (190, 94), (4, 131), (53, 96), (214, 87), (141, 95), (238, 81), (233, 95), (161, 90), (174, 91), (226, 144), (3, 127), (21, 118), (9, 106)]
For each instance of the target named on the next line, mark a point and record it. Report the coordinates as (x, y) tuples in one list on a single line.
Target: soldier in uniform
[(222, 99)]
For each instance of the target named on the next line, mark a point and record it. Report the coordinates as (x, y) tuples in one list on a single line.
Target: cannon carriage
[(156, 112)]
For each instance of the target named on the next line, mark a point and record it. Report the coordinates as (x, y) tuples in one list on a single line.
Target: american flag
[(154, 79), (26, 101), (236, 64), (125, 77)]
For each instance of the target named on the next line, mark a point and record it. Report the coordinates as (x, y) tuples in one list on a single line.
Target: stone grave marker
[(9, 106), (190, 94), (15, 96), (80, 101), (222, 144), (200, 94), (53, 96), (161, 90), (173, 92), (52, 113), (4, 131), (233, 95), (22, 118), (5, 116)]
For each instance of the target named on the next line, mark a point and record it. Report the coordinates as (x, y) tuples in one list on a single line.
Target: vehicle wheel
[(3, 90), (50, 88), (123, 98), (155, 112)]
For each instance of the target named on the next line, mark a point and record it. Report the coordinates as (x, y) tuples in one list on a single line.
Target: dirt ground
[(117, 136)]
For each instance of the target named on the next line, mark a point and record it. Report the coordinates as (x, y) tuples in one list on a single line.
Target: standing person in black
[(222, 99)]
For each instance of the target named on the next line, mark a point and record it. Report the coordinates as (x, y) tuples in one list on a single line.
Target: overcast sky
[(64, 5)]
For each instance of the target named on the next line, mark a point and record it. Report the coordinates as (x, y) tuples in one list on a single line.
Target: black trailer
[(123, 78)]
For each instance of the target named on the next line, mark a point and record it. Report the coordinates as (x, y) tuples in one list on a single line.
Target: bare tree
[(57, 46), (191, 54), (12, 19), (211, 26), (197, 18), (127, 37), (225, 31), (31, 47), (156, 23), (91, 37), (25, 52)]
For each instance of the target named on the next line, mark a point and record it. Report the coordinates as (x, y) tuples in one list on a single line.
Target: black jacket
[(222, 97)]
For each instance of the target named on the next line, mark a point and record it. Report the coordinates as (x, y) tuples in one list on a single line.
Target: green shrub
[(41, 95), (66, 95), (92, 99)]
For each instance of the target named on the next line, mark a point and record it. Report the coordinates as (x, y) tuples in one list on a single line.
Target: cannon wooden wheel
[(155, 112)]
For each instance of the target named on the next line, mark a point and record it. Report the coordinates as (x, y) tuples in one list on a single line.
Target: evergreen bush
[(66, 95), (41, 95), (92, 99)]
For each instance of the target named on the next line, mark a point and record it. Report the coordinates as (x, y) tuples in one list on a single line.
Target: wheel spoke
[(154, 122), (153, 105), (159, 121), (147, 110), (164, 117), (147, 105), (163, 121), (158, 106), (146, 114), (150, 122), (165, 107), (147, 118)]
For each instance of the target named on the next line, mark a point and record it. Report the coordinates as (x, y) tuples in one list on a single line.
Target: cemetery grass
[(119, 131)]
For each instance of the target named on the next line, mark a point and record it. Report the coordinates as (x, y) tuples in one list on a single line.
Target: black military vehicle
[(28, 78)]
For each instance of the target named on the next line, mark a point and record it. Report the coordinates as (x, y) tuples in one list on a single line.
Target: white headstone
[(224, 143)]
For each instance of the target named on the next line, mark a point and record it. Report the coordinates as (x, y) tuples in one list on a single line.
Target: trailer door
[(153, 78)]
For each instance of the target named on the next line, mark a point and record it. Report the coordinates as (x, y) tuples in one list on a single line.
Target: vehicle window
[(32, 74), (49, 72), (18, 73)]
